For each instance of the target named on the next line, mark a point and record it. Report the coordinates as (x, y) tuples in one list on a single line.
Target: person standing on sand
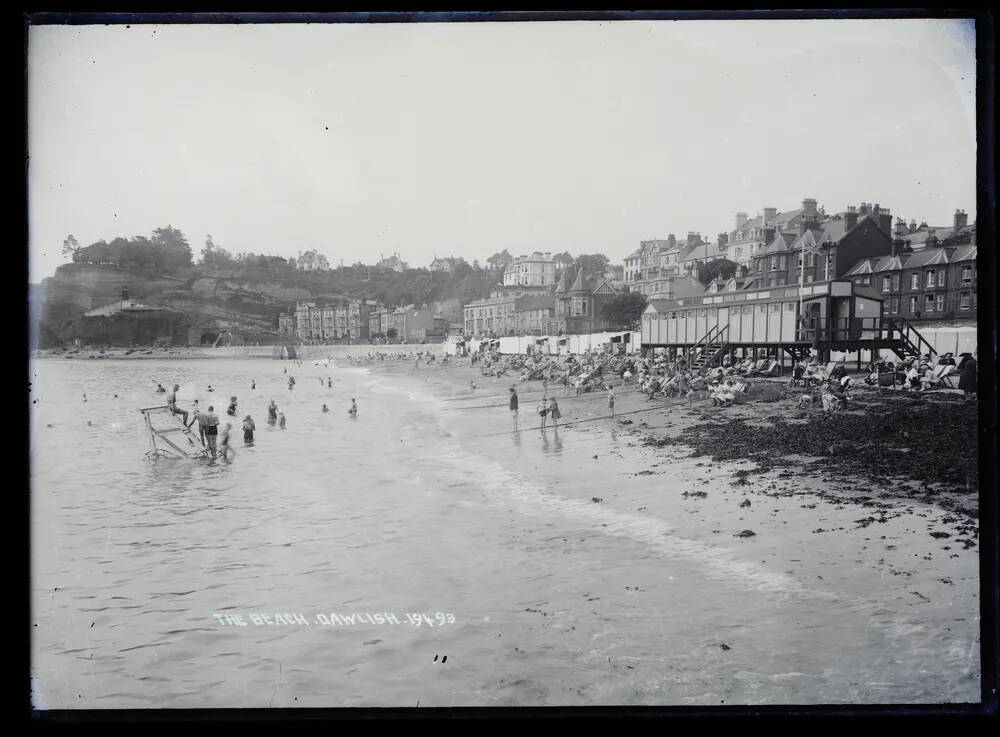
[(543, 412), (611, 400), (554, 413), (513, 405), (969, 378), (353, 411), (253, 384)]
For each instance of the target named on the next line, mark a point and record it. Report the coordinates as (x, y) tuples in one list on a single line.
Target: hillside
[(246, 299)]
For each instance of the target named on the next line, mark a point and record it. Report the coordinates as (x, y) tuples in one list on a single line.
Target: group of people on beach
[(548, 409)]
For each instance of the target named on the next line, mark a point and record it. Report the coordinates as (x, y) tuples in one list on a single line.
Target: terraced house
[(936, 281)]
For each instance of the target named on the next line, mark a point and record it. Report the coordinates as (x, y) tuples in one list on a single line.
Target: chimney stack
[(932, 239), (851, 217), (961, 220), (901, 228), (809, 208), (769, 214), (723, 239), (741, 219), (124, 294), (671, 241), (885, 220), (768, 234)]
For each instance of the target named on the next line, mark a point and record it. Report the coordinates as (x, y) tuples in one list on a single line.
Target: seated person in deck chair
[(830, 402)]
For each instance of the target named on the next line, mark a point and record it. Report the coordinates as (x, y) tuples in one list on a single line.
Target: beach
[(650, 559)]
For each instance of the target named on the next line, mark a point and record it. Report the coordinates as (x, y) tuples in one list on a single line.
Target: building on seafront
[(326, 322), (932, 283)]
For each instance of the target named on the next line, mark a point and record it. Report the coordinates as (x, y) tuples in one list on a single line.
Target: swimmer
[(84, 397), (224, 442), (272, 412), (174, 409), (212, 430), (329, 383), (231, 410), (253, 384), (248, 428), (281, 419), (353, 411), (210, 388), (472, 384), (325, 408), (160, 389)]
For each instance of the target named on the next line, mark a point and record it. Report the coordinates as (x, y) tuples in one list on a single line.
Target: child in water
[(248, 428), (272, 412), (224, 447), (253, 384), (281, 419), (353, 411), (325, 408)]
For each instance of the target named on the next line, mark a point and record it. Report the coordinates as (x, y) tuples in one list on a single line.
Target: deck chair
[(772, 369)]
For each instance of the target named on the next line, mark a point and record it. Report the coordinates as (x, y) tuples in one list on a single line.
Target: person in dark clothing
[(513, 405), (969, 377)]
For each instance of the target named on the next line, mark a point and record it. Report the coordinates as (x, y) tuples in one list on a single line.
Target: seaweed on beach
[(933, 443)]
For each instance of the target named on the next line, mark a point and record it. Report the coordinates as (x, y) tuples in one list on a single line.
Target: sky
[(447, 139)]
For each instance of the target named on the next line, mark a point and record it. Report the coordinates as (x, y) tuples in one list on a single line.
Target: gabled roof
[(579, 284), (888, 263), (686, 286), (602, 282), (781, 243), (864, 266), (927, 257), (964, 253)]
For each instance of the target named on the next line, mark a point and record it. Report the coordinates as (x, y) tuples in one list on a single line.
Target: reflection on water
[(409, 508)]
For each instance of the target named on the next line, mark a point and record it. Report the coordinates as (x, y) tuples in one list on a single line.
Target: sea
[(429, 553)]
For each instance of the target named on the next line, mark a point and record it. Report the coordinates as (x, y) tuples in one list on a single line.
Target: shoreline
[(898, 446)]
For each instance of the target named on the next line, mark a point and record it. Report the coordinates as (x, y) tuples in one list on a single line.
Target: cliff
[(203, 301)]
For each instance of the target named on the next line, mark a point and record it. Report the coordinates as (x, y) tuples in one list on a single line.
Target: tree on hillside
[(625, 310), (70, 246), (593, 263), (720, 268), (500, 260), (563, 260), (214, 257), (177, 251)]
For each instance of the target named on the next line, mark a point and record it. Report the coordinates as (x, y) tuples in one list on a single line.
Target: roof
[(780, 218), (531, 302), (579, 284), (964, 253), (561, 288), (123, 305), (927, 257), (686, 286), (635, 254)]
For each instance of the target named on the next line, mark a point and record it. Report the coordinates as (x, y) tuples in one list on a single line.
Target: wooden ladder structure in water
[(161, 423)]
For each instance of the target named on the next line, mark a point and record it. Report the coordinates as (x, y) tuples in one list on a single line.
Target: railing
[(715, 333), (821, 329)]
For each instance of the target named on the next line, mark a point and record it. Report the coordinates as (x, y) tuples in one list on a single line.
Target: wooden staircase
[(907, 342), (713, 347)]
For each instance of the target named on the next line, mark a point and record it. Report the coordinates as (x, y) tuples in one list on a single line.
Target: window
[(914, 281), (748, 310), (941, 277), (760, 266), (913, 304), (895, 282), (775, 307), (774, 263), (702, 313), (810, 259), (930, 278), (966, 301), (894, 305), (789, 307), (886, 283), (760, 309), (966, 274), (782, 262), (940, 303), (929, 303)]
